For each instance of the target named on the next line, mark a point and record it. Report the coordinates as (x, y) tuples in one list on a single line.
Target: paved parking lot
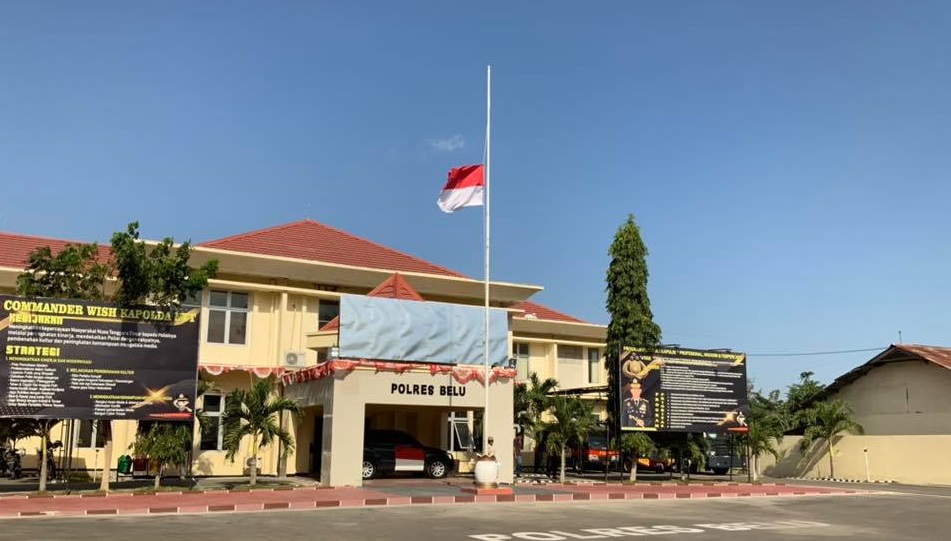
[(866, 517)]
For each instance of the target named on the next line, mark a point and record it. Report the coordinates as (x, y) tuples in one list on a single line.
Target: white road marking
[(637, 531)]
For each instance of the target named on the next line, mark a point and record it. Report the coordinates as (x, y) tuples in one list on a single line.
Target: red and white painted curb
[(126, 504)]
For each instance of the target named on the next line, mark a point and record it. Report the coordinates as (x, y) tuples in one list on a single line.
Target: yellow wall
[(83, 459), (902, 398), (904, 459), (543, 360)]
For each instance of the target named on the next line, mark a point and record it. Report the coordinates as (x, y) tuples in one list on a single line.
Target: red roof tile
[(543, 312), (394, 287), (314, 241), (15, 249), (305, 239)]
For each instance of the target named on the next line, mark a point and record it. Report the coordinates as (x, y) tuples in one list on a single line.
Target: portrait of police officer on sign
[(637, 408)]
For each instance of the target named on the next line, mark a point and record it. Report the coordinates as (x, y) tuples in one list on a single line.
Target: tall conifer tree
[(632, 322)]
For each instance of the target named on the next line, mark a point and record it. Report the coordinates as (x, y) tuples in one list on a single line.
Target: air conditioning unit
[(295, 359)]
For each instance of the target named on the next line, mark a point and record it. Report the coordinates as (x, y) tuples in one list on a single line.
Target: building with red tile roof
[(275, 300)]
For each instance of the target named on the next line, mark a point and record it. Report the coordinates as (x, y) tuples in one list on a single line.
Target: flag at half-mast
[(465, 187)]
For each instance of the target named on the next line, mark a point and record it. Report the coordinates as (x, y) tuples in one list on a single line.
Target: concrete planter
[(487, 472)]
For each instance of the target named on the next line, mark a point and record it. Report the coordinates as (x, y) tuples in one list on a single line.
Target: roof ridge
[(247, 234), (210, 243), (566, 317), (347, 233), (53, 239)]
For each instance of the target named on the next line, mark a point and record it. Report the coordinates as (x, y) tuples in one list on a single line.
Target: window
[(212, 434), (326, 311), (521, 360), (594, 365), (461, 435), (192, 301), (570, 353), (89, 435), (227, 317)]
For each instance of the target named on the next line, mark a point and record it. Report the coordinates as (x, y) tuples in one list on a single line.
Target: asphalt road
[(892, 516)]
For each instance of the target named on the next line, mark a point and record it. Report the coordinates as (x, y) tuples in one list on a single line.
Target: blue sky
[(787, 162)]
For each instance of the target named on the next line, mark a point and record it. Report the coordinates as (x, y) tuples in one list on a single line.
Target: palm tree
[(768, 421), (572, 418), (637, 445), (531, 400), (825, 421), (165, 444), (254, 413), (761, 439), (40, 428)]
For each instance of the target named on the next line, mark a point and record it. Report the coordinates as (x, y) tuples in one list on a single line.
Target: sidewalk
[(378, 492)]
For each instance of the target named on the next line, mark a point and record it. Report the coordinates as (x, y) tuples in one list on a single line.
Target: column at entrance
[(501, 426), (342, 460)]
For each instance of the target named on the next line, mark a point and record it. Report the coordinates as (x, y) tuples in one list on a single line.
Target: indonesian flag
[(464, 188)]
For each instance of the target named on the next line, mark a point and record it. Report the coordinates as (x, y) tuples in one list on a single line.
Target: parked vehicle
[(590, 454), (723, 455), (12, 461), (593, 454), (653, 463), (389, 451)]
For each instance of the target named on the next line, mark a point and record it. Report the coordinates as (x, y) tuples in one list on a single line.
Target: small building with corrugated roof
[(902, 399)]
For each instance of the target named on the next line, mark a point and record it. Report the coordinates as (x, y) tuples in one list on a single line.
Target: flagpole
[(487, 215)]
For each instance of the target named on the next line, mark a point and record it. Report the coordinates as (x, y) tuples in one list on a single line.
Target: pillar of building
[(500, 425), (342, 461)]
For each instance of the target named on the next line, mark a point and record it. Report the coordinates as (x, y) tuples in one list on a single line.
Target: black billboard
[(69, 359), (683, 390)]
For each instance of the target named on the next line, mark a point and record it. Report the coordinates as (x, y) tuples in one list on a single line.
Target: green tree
[(768, 421), (254, 413), (760, 440), (143, 274), (170, 443), (799, 398), (157, 275), (770, 409), (826, 420), (531, 399), (636, 444), (164, 444), (571, 419), (14, 429), (632, 322), (74, 273)]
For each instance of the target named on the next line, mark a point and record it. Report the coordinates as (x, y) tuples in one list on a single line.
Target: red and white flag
[(464, 188)]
